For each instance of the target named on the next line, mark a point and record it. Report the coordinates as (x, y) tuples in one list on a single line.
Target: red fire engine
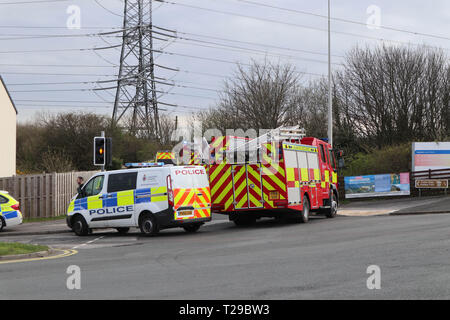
[(280, 174)]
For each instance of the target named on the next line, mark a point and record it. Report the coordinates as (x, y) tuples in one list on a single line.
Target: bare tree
[(258, 97), (390, 95)]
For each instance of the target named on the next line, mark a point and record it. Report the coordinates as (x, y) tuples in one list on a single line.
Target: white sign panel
[(430, 155)]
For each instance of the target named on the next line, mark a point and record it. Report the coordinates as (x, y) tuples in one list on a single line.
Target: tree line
[(384, 98)]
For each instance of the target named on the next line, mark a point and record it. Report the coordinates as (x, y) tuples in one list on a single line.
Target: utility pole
[(330, 95), (136, 103)]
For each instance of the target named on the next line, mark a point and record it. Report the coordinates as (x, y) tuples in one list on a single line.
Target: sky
[(278, 35)]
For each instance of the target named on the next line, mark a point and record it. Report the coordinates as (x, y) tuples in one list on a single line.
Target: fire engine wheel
[(331, 213), (148, 225), (123, 230), (304, 217), (79, 226), (192, 228), (244, 220)]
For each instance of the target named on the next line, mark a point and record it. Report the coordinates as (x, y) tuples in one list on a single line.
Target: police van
[(148, 196)]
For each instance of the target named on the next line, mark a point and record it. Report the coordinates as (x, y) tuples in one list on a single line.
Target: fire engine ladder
[(282, 133)]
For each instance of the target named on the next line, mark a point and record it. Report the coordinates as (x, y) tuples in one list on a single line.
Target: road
[(324, 259)]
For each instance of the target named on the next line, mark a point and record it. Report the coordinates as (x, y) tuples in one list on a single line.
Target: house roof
[(7, 92)]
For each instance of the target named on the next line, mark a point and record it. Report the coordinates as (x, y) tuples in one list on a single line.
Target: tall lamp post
[(330, 97)]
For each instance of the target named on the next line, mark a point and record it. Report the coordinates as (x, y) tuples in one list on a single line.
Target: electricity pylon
[(136, 103)]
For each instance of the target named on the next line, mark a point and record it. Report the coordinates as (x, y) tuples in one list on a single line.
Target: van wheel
[(2, 224), (148, 225), (80, 227), (304, 217), (123, 230), (192, 227), (332, 212)]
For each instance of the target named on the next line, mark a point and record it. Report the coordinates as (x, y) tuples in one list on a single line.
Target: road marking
[(89, 242), (65, 253)]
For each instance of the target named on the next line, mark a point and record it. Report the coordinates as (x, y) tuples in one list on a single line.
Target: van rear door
[(192, 197)]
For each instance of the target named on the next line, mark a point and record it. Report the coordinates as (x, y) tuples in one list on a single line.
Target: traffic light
[(99, 151), (102, 151)]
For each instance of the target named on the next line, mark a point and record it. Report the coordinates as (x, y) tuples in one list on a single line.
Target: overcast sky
[(430, 17)]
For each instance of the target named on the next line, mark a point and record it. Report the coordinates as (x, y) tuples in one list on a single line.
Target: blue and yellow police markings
[(7, 213), (117, 202)]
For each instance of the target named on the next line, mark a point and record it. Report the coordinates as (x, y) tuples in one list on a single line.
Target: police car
[(149, 196), (10, 214)]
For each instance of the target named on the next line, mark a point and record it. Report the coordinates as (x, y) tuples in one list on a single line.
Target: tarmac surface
[(324, 259)]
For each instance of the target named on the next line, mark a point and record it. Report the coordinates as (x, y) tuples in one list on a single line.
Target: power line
[(259, 44), (95, 102), (293, 24), (220, 60), (109, 88), (344, 20), (31, 2)]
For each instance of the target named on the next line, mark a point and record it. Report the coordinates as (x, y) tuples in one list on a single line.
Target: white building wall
[(8, 125)]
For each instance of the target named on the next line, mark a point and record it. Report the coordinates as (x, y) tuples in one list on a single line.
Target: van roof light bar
[(143, 164)]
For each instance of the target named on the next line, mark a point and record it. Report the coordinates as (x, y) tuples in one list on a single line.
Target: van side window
[(94, 186), (122, 181)]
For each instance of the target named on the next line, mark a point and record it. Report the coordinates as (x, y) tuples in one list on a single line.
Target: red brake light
[(281, 203), (218, 207), (16, 206)]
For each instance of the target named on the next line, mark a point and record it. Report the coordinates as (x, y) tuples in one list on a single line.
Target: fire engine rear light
[(16, 206), (281, 203)]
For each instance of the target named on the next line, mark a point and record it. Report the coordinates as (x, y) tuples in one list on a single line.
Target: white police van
[(149, 196)]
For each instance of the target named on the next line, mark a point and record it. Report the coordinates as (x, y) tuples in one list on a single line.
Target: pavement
[(405, 206), (323, 259), (36, 228)]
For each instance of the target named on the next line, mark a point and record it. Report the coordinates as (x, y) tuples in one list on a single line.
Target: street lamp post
[(330, 97)]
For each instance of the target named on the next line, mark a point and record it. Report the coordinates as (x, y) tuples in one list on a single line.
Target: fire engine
[(282, 173), (166, 157)]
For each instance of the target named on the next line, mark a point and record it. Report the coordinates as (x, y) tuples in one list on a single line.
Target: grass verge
[(13, 248)]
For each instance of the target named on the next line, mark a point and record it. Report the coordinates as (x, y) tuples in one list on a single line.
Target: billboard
[(430, 155), (380, 185)]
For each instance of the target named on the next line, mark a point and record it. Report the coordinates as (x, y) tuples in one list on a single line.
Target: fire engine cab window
[(331, 157), (122, 181), (322, 154)]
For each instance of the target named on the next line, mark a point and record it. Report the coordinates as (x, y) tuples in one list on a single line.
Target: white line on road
[(89, 242)]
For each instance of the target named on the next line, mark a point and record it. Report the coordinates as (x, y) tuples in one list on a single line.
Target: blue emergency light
[(144, 164)]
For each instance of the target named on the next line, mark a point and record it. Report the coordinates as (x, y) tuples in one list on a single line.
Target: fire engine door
[(247, 186)]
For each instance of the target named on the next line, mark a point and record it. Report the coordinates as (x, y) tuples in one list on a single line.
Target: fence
[(43, 195)]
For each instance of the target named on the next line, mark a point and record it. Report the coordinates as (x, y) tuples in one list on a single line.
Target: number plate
[(186, 213), (274, 195)]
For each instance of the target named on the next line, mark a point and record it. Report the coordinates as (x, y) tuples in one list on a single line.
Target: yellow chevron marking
[(219, 169)]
